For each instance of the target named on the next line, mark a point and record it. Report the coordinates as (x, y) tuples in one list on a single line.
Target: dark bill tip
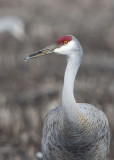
[(33, 55), (28, 57)]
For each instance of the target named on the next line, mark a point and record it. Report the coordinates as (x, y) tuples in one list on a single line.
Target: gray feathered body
[(86, 137)]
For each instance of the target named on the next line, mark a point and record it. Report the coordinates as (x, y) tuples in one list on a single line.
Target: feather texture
[(86, 139)]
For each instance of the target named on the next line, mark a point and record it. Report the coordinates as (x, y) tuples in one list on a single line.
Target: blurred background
[(29, 89)]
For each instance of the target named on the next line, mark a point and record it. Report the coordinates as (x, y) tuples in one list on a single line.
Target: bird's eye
[(65, 42)]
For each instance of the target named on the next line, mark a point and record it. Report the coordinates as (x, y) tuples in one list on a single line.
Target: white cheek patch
[(66, 48)]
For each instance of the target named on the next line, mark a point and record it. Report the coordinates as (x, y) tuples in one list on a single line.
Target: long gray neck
[(73, 64)]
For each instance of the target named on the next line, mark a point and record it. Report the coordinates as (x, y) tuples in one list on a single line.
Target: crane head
[(66, 45)]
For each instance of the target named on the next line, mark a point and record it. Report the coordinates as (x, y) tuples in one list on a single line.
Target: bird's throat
[(68, 99)]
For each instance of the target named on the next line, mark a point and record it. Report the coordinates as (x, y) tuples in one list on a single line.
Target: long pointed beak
[(42, 52)]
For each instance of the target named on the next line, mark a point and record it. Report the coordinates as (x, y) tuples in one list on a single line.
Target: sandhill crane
[(73, 131)]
